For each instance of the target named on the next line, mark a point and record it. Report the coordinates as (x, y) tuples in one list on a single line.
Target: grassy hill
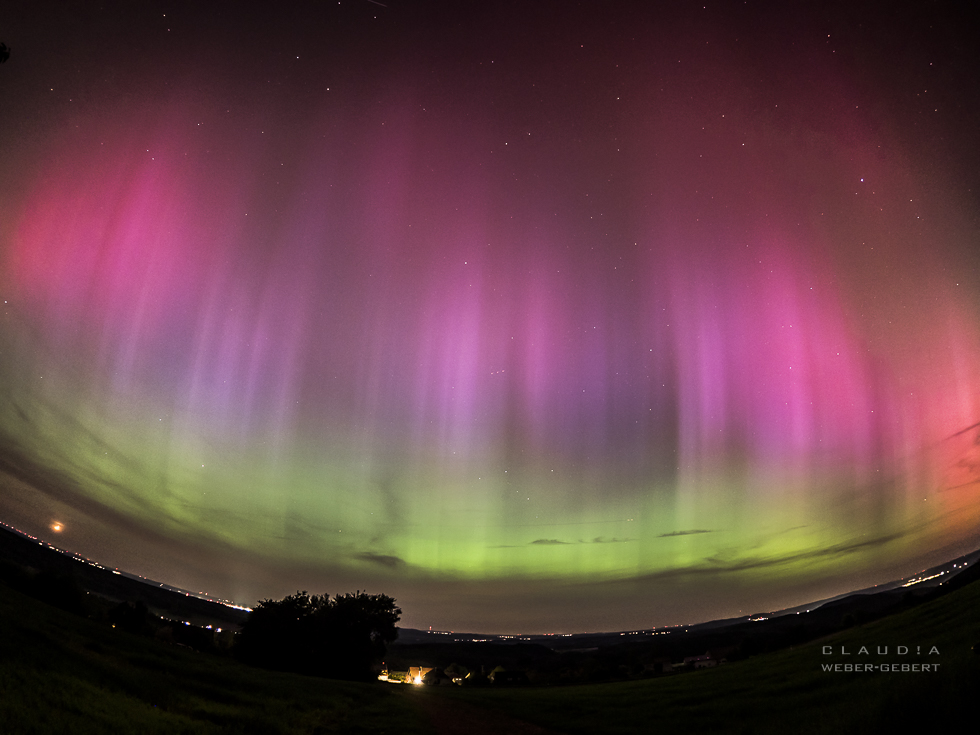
[(789, 691), (62, 673)]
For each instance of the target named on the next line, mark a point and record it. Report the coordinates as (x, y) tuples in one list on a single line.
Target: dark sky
[(537, 316)]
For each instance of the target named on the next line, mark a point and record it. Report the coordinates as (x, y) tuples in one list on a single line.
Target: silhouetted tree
[(312, 634), (354, 630)]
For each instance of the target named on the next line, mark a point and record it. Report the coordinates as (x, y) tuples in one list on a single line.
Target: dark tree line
[(339, 638)]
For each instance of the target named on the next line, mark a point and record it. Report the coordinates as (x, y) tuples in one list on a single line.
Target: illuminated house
[(436, 678), (416, 673)]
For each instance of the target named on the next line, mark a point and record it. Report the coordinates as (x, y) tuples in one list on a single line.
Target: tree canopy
[(338, 638)]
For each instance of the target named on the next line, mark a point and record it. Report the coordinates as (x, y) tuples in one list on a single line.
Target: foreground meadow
[(60, 673), (793, 690)]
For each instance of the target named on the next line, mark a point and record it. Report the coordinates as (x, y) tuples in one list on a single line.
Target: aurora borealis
[(537, 319)]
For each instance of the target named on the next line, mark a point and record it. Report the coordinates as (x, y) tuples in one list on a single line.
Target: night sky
[(537, 316)]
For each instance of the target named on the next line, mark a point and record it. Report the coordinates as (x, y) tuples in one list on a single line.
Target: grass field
[(788, 691), (60, 673), (63, 674)]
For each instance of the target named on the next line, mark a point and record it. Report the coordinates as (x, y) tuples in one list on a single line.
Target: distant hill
[(743, 636), (634, 654), (20, 551)]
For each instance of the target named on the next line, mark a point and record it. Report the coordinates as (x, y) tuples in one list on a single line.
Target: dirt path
[(450, 716)]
